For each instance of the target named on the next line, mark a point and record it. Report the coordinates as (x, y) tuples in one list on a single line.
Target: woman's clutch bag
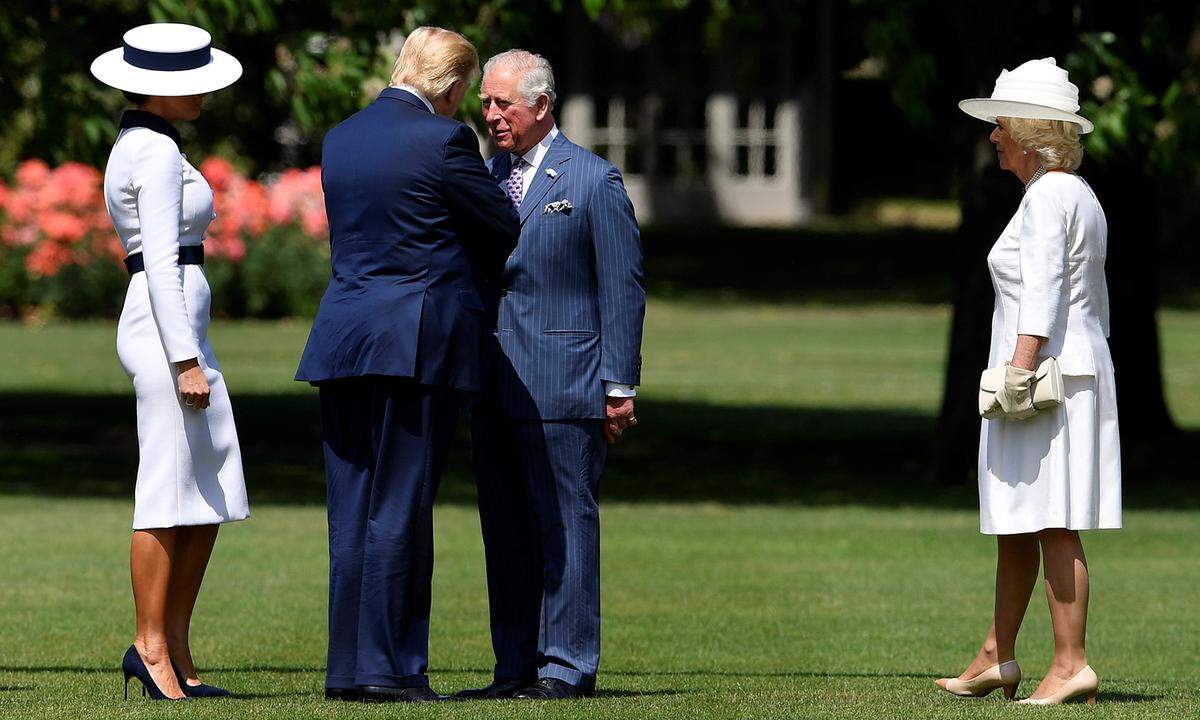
[(1046, 390)]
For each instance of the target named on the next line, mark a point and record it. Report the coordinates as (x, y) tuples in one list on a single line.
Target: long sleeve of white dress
[(158, 183), (1043, 254)]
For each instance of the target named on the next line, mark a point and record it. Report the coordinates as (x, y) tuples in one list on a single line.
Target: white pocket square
[(558, 206)]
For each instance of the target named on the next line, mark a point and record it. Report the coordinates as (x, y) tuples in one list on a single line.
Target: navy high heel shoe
[(197, 691), (132, 666)]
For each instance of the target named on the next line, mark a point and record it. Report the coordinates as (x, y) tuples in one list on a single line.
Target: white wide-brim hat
[(169, 59), (1037, 90)]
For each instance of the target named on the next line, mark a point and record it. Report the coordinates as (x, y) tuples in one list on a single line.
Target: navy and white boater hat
[(168, 59)]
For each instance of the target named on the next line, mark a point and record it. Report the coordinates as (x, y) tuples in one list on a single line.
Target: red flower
[(218, 172), (60, 226), (47, 259), (33, 174)]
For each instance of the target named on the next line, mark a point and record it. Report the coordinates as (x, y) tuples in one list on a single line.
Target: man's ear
[(543, 107)]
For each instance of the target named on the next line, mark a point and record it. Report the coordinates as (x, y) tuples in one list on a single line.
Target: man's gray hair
[(537, 77)]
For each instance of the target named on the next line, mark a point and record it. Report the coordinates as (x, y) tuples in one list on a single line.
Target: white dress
[(1062, 468), (190, 465)]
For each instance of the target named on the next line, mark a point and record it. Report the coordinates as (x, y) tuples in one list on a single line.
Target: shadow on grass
[(838, 264), (303, 669), (75, 445), (605, 693), (1122, 697), (236, 696)]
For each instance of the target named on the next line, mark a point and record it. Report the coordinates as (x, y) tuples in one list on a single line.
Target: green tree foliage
[(308, 64), (1145, 118)]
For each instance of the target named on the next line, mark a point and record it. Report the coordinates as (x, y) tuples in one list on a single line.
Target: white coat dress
[(189, 462), (1061, 468)]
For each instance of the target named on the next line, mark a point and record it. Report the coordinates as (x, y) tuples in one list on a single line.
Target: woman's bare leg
[(193, 548), (1067, 594), (1016, 574), (151, 553)]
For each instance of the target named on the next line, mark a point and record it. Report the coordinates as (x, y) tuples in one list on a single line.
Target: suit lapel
[(500, 169), (556, 157)]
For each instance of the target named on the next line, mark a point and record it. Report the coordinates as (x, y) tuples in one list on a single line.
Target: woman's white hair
[(537, 77), (1056, 142)]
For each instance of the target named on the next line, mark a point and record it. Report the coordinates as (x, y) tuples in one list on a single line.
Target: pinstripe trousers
[(538, 486)]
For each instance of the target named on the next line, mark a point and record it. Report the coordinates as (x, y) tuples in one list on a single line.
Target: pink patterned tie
[(513, 184)]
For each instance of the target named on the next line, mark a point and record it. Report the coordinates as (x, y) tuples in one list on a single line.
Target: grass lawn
[(769, 548), (710, 611)]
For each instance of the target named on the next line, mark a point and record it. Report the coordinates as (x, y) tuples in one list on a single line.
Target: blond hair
[(433, 59), (1056, 142)]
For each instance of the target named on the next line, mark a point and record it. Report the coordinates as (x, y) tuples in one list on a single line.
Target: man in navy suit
[(418, 230), (569, 332)]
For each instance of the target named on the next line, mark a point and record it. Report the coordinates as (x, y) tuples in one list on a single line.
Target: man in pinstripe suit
[(561, 386)]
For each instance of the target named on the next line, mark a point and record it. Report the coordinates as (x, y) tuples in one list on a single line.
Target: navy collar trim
[(142, 118)]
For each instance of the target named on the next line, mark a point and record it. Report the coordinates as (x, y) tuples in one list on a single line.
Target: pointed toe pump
[(132, 666), (1085, 683), (1005, 675), (197, 691)]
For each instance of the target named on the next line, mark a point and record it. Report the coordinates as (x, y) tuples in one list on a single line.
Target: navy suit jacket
[(417, 228), (573, 298)]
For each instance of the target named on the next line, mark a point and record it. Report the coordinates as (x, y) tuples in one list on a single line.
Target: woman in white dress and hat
[(1046, 475), (189, 478)]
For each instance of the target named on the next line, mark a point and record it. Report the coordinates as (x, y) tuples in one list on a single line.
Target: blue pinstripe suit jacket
[(572, 296)]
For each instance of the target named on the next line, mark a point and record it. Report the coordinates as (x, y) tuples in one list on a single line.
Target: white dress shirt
[(420, 96), (533, 160)]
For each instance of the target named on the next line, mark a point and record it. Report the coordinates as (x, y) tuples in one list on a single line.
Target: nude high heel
[(1006, 675), (1085, 682)]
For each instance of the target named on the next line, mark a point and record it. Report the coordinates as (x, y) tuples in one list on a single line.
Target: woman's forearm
[(1026, 353)]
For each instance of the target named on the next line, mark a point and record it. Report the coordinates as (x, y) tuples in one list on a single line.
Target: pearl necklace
[(1036, 176)]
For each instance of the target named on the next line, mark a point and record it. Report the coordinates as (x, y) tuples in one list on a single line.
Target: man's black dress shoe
[(344, 694), (379, 694), (552, 689), (498, 690)]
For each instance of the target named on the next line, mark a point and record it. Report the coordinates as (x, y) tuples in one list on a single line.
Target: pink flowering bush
[(266, 251), (58, 216)]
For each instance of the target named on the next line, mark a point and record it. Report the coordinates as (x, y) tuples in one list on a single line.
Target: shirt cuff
[(619, 390)]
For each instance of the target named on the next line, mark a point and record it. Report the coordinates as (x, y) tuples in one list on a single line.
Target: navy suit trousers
[(539, 485), (385, 445)]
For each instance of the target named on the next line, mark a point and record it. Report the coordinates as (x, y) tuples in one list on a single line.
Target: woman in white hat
[(1044, 477), (189, 477)]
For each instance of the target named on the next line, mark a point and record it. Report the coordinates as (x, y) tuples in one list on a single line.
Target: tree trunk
[(1130, 204), (989, 197)]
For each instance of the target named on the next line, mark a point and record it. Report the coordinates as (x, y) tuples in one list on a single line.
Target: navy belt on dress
[(188, 255)]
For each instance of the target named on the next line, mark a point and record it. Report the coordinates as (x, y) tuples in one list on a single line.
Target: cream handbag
[(1046, 392)]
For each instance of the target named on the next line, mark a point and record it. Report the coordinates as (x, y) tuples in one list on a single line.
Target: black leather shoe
[(498, 690), (552, 689), (379, 694), (343, 694)]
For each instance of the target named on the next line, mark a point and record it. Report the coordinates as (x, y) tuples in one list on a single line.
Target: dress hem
[(1051, 526), (192, 524)]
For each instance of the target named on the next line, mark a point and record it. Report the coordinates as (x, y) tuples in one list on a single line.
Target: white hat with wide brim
[(1037, 90), (168, 59)]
